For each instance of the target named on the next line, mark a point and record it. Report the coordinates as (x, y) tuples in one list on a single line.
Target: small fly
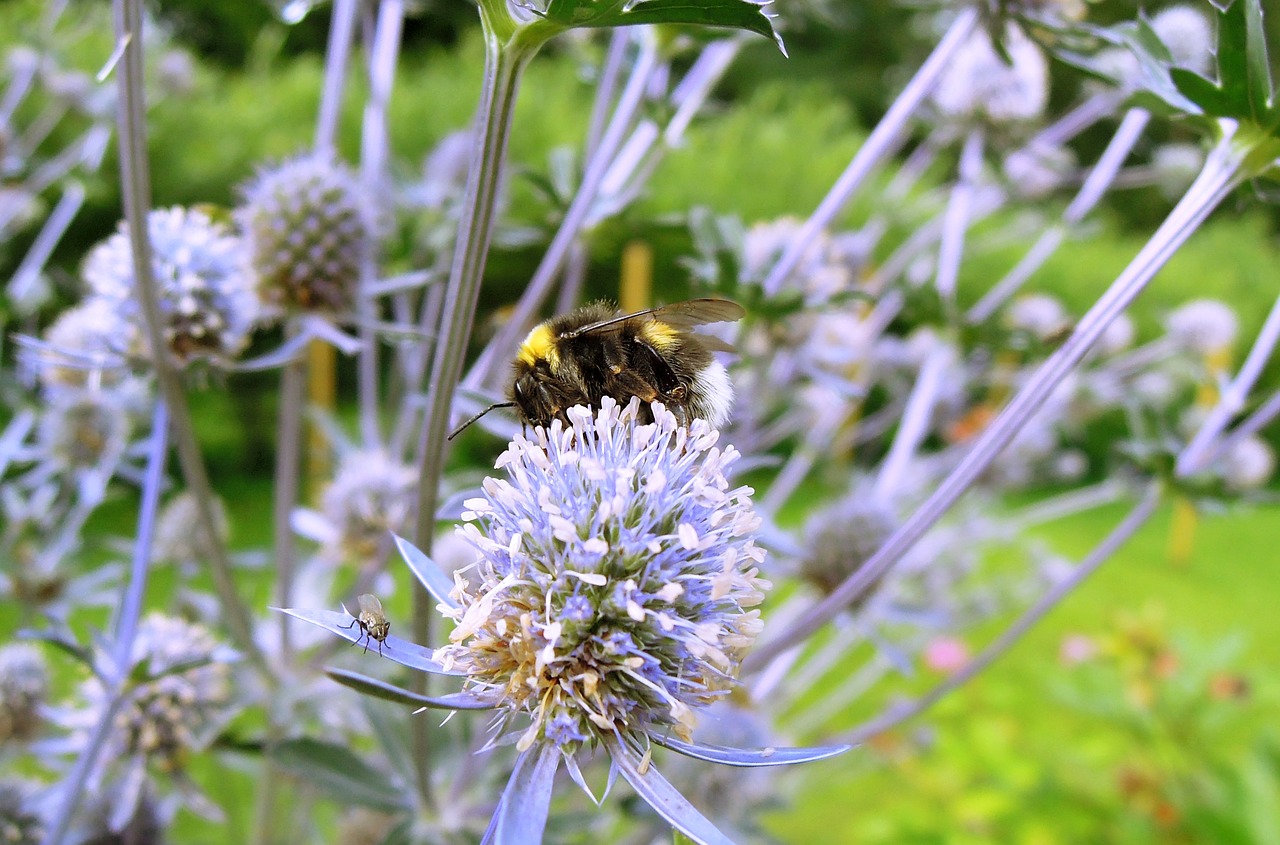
[(372, 621)]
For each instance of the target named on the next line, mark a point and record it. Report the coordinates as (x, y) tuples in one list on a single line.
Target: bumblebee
[(593, 352), (372, 620)]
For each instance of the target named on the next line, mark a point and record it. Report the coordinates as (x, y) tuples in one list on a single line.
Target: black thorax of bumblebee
[(593, 352), (556, 368)]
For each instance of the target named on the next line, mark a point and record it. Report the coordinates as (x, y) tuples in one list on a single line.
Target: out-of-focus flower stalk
[(1227, 165), (898, 713), (508, 49), (136, 190), (383, 53), (73, 787), (1097, 183), (882, 142)]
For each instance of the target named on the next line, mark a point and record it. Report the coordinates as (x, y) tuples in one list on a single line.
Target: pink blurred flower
[(1076, 649), (946, 654)]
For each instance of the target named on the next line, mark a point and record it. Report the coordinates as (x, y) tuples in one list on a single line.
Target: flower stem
[(574, 218), (293, 387), (136, 190), (126, 625), (1221, 173), (901, 712), (882, 141), (504, 64)]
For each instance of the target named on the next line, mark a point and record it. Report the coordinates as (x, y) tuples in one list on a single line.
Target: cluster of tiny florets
[(308, 229), (24, 687), (86, 346), (179, 537), (844, 536), (206, 300), (20, 824), (371, 495), (164, 719), (980, 85), (615, 568), (84, 429)]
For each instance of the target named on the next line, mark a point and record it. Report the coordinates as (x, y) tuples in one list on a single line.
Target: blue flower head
[(616, 573)]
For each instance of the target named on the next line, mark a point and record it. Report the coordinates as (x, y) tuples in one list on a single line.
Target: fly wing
[(369, 603), (680, 315)]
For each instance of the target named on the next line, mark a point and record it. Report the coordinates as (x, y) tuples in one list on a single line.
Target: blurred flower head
[(980, 86), (1187, 34), (617, 568), (207, 303), (309, 227), (1203, 326), (842, 537), (1248, 464), (1037, 314), (84, 431), (178, 537), (84, 344), (24, 687), (371, 496), (20, 824)]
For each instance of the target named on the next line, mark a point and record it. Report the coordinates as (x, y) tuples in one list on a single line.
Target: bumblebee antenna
[(494, 406)]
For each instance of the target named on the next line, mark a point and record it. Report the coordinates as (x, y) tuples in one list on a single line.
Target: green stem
[(293, 386), (504, 64), (136, 189)]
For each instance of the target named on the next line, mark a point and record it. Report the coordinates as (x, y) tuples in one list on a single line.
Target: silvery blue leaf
[(430, 575), (521, 814), (664, 798), (749, 757), (391, 692), (393, 648)]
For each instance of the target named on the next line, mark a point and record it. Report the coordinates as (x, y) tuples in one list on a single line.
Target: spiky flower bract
[(207, 302), (308, 229), (615, 568)]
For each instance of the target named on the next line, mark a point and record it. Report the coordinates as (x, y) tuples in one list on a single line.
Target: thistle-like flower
[(844, 536), (611, 596), (83, 346), (20, 824), (179, 538), (24, 686), (308, 228), (206, 300), (84, 431), (370, 496), (981, 86), (179, 697), (1203, 326), (615, 571)]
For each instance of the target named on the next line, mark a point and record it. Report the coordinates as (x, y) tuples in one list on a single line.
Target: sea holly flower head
[(206, 300), (615, 573), (308, 227), (609, 594)]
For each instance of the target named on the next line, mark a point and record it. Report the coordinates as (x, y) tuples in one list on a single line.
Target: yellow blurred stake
[(1182, 531), (322, 394), (635, 291)]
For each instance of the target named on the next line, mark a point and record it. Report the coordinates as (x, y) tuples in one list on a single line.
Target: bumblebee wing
[(679, 315)]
